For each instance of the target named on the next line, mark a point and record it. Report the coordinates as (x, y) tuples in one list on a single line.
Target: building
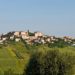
[(48, 39), (38, 34), (17, 34), (32, 37), (12, 37), (17, 39), (43, 41), (67, 38), (24, 35), (4, 38), (1, 41)]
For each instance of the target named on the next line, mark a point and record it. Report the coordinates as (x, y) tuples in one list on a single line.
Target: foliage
[(1, 72), (51, 63), (60, 44), (19, 56), (9, 72), (16, 56), (31, 34)]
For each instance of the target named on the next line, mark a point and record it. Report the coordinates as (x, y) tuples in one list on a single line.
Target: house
[(12, 37), (53, 38), (38, 34), (32, 37), (36, 41), (48, 40), (1, 41), (24, 35), (17, 39), (17, 34), (4, 38), (67, 39), (43, 41), (73, 44)]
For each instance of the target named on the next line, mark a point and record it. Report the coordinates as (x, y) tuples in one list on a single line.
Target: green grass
[(9, 60)]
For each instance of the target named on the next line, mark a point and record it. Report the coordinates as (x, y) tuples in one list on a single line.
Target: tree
[(60, 44), (51, 62), (33, 67)]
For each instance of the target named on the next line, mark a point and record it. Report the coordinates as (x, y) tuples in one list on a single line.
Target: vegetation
[(30, 33), (60, 43), (52, 62), (19, 58)]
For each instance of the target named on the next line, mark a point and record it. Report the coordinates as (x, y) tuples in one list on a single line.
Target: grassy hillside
[(15, 56)]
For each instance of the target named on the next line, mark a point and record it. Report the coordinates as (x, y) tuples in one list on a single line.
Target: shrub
[(9, 72), (1, 72), (60, 44), (52, 62)]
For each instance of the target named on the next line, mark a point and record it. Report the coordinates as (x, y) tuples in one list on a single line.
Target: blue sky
[(53, 17)]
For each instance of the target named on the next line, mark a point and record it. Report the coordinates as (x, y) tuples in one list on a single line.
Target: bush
[(9, 72), (52, 62), (59, 44), (18, 54), (1, 72)]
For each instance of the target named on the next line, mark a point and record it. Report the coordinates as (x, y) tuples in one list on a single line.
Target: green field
[(15, 56), (10, 57)]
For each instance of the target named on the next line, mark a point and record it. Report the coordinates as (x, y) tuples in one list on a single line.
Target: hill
[(15, 56)]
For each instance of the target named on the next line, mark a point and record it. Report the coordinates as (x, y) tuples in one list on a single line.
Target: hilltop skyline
[(52, 17)]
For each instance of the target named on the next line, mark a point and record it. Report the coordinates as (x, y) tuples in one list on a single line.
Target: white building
[(38, 34), (24, 35), (53, 38), (48, 40), (17, 39), (32, 37), (1, 41), (11, 37), (4, 38), (43, 41), (17, 34)]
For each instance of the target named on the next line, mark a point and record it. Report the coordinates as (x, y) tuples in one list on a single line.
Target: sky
[(52, 17)]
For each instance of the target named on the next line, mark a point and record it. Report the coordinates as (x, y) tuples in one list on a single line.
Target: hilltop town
[(21, 50), (33, 37)]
